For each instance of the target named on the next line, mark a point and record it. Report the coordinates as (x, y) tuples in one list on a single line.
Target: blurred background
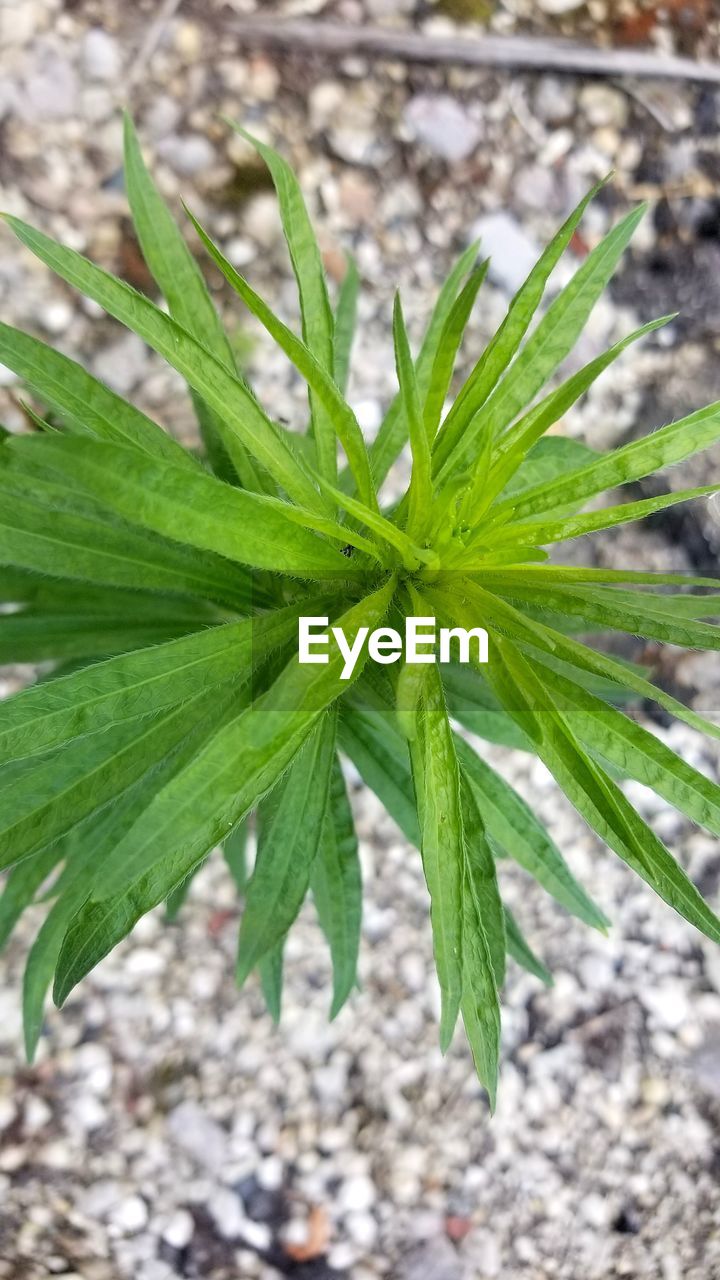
[(166, 1129)]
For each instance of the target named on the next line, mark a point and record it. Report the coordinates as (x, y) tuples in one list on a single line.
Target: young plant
[(166, 589)]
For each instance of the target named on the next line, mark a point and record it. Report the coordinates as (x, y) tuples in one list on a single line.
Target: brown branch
[(333, 39)]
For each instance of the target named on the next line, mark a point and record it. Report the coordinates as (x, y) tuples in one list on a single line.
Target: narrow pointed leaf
[(522, 953), (70, 390), (420, 493), (448, 347), (224, 392), (540, 532), (336, 883), (437, 790), (290, 822), (316, 312), (194, 509), (142, 683), (507, 340), (663, 448), (393, 432), (207, 799), (596, 796), (333, 410), (514, 826), (180, 281), (345, 318)]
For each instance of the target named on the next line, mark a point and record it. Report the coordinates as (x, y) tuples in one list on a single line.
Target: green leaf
[(63, 786), (511, 823), (664, 448), (420, 492), (332, 410), (315, 309), (469, 601), (226, 394), (473, 703), (556, 334), (638, 754), (66, 599), (412, 555), (177, 899), (82, 846), (371, 739), (479, 1003), (336, 883), (550, 457), (593, 793), (516, 442), (500, 352), (36, 536), (271, 978), (235, 854), (194, 509), (345, 319), (181, 283), (538, 532), (606, 608), (521, 952), (138, 684), (481, 876), (447, 350), (34, 637), (206, 799), (437, 790), (89, 405), (394, 429), (85, 850), (562, 573), (290, 822), (23, 883)]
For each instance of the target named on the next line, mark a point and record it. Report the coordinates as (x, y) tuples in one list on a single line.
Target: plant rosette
[(168, 591)]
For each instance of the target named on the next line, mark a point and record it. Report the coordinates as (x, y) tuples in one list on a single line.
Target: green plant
[(167, 592)]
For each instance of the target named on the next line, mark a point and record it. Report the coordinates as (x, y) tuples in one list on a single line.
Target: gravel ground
[(166, 1129)]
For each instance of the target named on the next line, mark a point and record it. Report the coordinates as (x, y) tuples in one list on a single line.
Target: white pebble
[(179, 1231), (256, 1234), (356, 1194), (226, 1210), (144, 963), (362, 1228), (130, 1215), (56, 317), (270, 1173)]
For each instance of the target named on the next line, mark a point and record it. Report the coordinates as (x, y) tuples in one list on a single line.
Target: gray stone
[(512, 253), (443, 125), (227, 1212), (604, 105), (705, 1064), (50, 91), (198, 1135), (188, 154), (555, 100), (536, 188), (162, 116), (101, 58), (122, 364), (434, 1260)]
